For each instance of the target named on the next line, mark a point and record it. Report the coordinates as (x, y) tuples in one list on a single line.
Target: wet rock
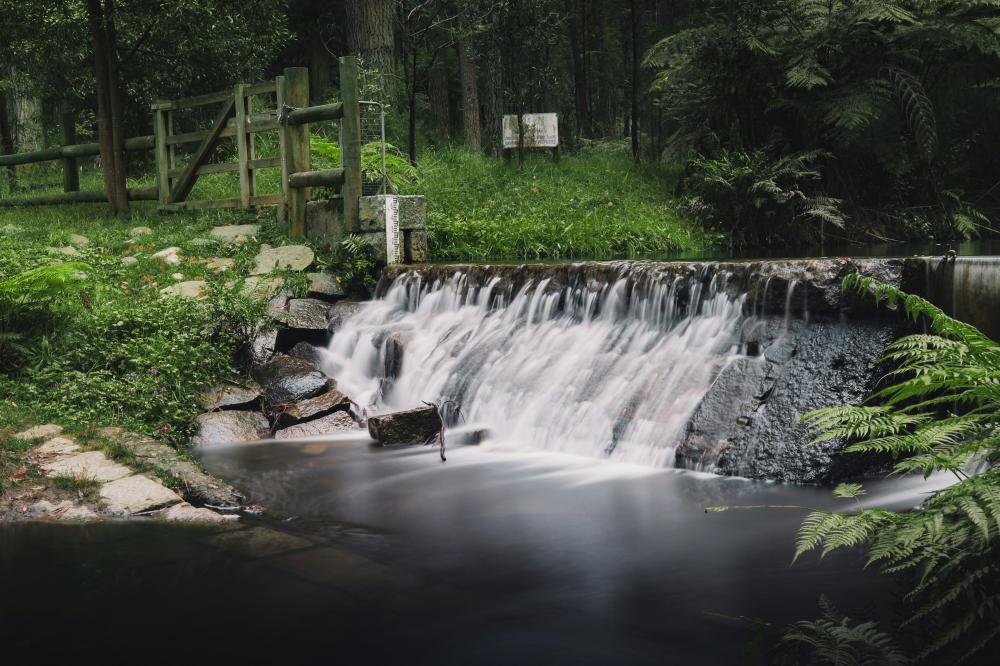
[(395, 348), (325, 286), (228, 427), (185, 513), (231, 396), (170, 255), (413, 426), (261, 288), (307, 352), (327, 425), (38, 432), (292, 257), (340, 313), (286, 379), (311, 408), (187, 289), (307, 313), (86, 465), (234, 233), (137, 494), (65, 510), (198, 486), (262, 348)]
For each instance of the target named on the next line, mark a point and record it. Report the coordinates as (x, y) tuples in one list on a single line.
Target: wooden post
[(351, 142), (71, 172), (296, 148), (162, 156), (242, 150), (281, 93)]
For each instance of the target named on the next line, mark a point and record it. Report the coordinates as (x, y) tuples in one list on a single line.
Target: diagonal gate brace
[(187, 179)]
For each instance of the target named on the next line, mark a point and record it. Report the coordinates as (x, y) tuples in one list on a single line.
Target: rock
[(59, 446), (231, 396), (220, 264), (201, 242), (413, 426), (261, 288), (325, 286), (188, 289), (77, 512), (78, 240), (65, 510), (185, 513), (129, 261), (292, 257), (229, 427), (395, 347), (234, 233), (140, 231), (262, 348), (307, 313), (340, 313), (286, 379), (170, 255), (68, 251), (327, 425), (307, 352), (278, 305), (310, 408), (199, 487), (178, 276), (39, 432), (137, 494), (87, 465)]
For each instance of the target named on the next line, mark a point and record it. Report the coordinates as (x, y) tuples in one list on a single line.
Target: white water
[(585, 370)]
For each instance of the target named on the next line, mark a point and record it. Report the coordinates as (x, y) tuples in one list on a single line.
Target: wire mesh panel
[(373, 148)]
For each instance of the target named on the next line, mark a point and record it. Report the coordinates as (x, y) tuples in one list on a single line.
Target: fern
[(918, 110)]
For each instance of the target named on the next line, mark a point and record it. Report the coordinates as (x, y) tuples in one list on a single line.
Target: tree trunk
[(411, 137), (493, 91), (635, 78), (470, 93), (439, 101), (7, 138), (320, 62), (370, 36), (584, 124), (110, 133), (605, 114), (71, 170)]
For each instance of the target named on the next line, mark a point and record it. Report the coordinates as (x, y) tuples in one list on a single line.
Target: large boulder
[(230, 396), (308, 313), (229, 427), (291, 257), (340, 313), (311, 408), (413, 426), (286, 379)]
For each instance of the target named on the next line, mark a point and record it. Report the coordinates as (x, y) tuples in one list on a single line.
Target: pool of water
[(497, 556)]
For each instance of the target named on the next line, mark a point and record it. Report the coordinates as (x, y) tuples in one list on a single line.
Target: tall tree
[(634, 83), (581, 85), (470, 87), (7, 137), (369, 30), (110, 127)]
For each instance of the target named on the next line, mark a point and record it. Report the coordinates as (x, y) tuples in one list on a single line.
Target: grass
[(597, 205), (80, 485)]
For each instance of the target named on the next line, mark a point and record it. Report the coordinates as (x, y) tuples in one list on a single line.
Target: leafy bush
[(941, 414), (760, 201)]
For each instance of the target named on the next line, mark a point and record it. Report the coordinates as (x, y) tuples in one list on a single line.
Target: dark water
[(494, 557)]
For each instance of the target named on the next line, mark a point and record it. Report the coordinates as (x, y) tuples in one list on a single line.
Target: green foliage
[(398, 170), (598, 206), (758, 200), (940, 412), (357, 266)]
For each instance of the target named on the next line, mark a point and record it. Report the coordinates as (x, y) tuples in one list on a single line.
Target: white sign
[(541, 130), (393, 251)]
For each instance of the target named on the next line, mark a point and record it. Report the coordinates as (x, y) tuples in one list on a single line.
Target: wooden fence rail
[(234, 119)]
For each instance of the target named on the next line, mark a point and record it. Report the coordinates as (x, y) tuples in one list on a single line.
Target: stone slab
[(87, 465), (137, 494), (185, 513), (307, 313), (186, 289), (228, 427), (327, 425), (234, 233), (325, 286), (59, 446), (229, 395), (38, 432), (291, 257)]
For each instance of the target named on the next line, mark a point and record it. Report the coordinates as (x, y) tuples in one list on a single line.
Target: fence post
[(351, 139), (162, 156), (71, 172), (242, 151), (296, 148)]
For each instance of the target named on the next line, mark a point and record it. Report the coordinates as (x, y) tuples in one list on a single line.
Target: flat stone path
[(123, 491)]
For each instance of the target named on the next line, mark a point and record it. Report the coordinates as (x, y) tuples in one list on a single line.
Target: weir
[(705, 366)]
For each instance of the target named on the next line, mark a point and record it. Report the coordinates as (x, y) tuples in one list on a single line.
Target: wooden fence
[(289, 117)]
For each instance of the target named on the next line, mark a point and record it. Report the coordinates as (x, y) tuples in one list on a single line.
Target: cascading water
[(605, 369)]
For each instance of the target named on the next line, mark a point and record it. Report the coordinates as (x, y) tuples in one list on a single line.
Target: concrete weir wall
[(804, 343), (325, 224)]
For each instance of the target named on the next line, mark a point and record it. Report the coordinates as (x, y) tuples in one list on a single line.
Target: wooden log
[(162, 155), (67, 152), (351, 142), (260, 200), (140, 194), (242, 149), (258, 122), (315, 114), (297, 148), (186, 181), (193, 102), (229, 167), (321, 178)]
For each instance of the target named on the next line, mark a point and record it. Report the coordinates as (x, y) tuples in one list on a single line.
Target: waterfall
[(966, 289), (610, 367)]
